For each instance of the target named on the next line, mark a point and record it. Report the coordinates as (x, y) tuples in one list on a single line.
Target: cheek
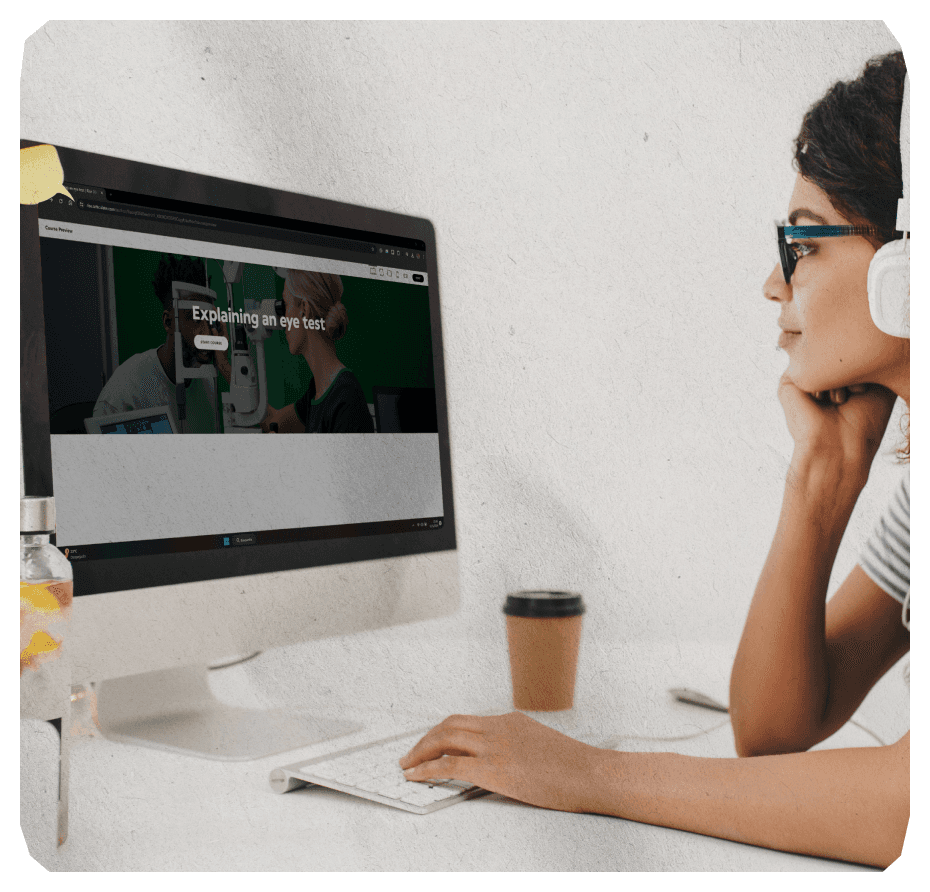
[(841, 343), (837, 305), (839, 337)]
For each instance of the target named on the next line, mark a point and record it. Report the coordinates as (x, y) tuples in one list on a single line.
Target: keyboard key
[(326, 772), (421, 796), (394, 791), (444, 793)]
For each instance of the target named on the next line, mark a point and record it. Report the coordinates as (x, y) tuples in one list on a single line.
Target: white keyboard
[(370, 771)]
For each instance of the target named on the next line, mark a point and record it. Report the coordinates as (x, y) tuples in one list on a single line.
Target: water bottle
[(45, 593), (46, 590)]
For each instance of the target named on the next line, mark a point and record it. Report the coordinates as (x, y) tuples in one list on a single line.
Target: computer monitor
[(406, 410), (157, 292)]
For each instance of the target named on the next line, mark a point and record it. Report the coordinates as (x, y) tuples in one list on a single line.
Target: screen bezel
[(143, 571)]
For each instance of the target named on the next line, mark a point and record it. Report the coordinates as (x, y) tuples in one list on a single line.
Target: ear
[(167, 319)]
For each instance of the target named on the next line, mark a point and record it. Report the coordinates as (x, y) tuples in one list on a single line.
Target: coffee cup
[(543, 634)]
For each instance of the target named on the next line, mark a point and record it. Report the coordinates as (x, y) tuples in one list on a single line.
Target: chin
[(815, 380)]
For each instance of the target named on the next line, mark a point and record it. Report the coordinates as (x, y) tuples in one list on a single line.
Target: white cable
[(612, 742), (236, 661), (867, 731), (696, 699)]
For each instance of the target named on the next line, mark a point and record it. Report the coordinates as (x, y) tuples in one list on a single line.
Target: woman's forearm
[(287, 420), (848, 804), (779, 687)]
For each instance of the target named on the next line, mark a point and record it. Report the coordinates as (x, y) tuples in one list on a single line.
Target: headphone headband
[(904, 204), (889, 281)]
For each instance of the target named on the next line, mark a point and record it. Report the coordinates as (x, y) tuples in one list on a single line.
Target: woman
[(335, 402), (802, 668)]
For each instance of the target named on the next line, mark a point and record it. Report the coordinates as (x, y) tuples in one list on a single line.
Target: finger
[(473, 723), (476, 723), (462, 768), (443, 742)]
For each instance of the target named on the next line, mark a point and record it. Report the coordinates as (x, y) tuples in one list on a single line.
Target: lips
[(786, 338)]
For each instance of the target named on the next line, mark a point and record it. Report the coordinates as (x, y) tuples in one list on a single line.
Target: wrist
[(634, 786), (606, 792), (827, 476), (820, 495)]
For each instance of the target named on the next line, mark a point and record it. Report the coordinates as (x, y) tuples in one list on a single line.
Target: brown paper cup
[(543, 648)]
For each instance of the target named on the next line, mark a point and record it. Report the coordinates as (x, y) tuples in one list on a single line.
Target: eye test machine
[(246, 402)]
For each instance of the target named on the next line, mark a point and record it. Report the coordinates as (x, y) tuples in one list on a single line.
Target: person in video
[(803, 666), (334, 403), (148, 379)]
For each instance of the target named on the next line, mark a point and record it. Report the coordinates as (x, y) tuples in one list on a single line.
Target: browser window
[(285, 368)]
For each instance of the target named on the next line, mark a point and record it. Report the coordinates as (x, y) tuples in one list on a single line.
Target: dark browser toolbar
[(128, 211), (82, 191)]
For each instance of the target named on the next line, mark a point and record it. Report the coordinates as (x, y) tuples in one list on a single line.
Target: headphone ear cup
[(889, 285)]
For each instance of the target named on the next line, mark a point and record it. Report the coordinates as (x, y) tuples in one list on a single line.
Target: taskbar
[(226, 541)]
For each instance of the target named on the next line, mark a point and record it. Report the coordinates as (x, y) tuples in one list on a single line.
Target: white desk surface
[(143, 809)]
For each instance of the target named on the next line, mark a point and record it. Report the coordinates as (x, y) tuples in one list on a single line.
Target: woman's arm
[(286, 419), (779, 686), (801, 669), (849, 804)]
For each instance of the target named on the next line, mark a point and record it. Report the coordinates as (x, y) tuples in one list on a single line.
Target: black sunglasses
[(791, 252)]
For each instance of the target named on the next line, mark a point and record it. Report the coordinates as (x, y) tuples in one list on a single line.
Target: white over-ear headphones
[(889, 279)]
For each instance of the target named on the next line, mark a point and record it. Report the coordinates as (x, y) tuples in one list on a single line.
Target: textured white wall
[(603, 197)]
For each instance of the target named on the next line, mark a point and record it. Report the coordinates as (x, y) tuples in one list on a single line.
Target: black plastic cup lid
[(543, 604)]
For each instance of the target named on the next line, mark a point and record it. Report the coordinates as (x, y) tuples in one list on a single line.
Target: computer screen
[(112, 262), (253, 331)]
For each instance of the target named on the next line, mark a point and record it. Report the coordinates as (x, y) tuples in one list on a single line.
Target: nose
[(775, 287)]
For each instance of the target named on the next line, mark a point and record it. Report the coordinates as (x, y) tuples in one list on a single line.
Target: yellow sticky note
[(40, 175)]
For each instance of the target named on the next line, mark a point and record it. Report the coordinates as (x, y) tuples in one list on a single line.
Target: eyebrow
[(810, 215)]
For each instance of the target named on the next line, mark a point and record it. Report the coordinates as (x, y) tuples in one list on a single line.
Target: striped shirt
[(886, 557)]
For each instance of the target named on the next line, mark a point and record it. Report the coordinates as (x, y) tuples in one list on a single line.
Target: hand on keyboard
[(510, 754), (372, 772)]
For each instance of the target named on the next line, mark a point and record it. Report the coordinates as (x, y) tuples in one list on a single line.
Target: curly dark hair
[(849, 145), (174, 268)]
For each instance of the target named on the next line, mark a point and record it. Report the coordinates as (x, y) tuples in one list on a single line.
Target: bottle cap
[(37, 514), (543, 604)]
